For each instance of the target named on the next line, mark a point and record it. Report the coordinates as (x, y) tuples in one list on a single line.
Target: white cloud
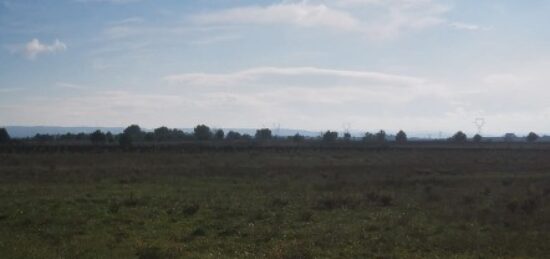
[(376, 19), (298, 14), (468, 26), (10, 90), (66, 85), (316, 76), (34, 48)]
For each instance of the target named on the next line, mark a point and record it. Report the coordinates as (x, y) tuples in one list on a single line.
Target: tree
[(125, 140), (532, 137), (477, 138), (162, 134), (202, 132), (298, 138), (369, 137), (110, 138), (347, 136), (219, 134), (134, 132), (232, 135), (330, 136), (263, 134), (98, 137), (401, 137), (149, 136), (459, 137), (43, 138), (381, 136), (4, 136)]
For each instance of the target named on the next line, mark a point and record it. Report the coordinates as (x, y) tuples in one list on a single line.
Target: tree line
[(134, 134)]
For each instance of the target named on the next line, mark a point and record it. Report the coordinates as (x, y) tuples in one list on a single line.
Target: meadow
[(418, 203)]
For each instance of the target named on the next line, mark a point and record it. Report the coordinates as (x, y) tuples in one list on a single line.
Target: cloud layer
[(35, 48), (373, 18)]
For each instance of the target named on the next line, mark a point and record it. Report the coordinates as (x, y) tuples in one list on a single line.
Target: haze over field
[(417, 65)]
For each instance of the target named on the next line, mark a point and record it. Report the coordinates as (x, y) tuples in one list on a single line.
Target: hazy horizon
[(416, 65)]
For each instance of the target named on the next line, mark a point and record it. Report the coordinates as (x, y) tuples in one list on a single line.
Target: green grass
[(387, 204)]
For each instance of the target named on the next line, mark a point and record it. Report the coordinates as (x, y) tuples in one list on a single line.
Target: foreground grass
[(387, 204)]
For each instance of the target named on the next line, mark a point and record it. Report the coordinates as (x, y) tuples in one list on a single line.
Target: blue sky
[(417, 65)]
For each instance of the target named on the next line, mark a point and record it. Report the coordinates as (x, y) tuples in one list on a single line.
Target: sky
[(363, 65)]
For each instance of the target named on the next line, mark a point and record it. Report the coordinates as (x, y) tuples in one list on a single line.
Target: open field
[(431, 203)]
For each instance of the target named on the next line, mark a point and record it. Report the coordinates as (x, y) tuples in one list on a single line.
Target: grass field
[(305, 204)]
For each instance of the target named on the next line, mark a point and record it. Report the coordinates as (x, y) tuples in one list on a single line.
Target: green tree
[(202, 132), (162, 134), (110, 138), (219, 134), (401, 137), (330, 136), (98, 137), (459, 137), (4, 136), (298, 138), (263, 134), (532, 137), (232, 135), (125, 140), (369, 137), (381, 136), (134, 132), (477, 138), (347, 136)]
